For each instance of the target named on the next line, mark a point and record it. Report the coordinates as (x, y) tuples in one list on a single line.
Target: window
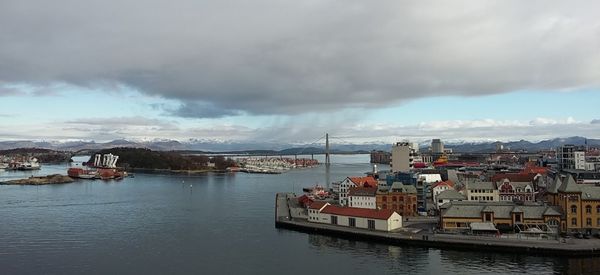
[(371, 224), (588, 222), (553, 222), (598, 209), (352, 222), (334, 220), (588, 209), (394, 198), (573, 221), (488, 217), (598, 222), (384, 199), (384, 206), (573, 209), (517, 217)]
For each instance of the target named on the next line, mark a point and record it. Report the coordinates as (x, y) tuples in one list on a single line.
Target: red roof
[(362, 191), (304, 200), (518, 177), (382, 214), (317, 205), (448, 183), (364, 181), (531, 168)]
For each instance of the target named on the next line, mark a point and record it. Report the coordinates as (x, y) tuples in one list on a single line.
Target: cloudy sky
[(289, 71)]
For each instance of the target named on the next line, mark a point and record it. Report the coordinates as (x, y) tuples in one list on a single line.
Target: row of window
[(397, 207), (588, 209), (588, 222), (396, 198), (510, 198), (354, 204), (481, 191), (481, 198)]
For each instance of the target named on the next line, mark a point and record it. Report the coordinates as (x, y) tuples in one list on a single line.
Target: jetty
[(289, 215), (50, 179)]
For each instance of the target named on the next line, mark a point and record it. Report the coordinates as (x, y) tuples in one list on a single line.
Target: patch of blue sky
[(582, 105)]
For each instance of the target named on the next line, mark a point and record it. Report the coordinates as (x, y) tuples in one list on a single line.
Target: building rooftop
[(381, 214), (482, 226), (450, 195), (482, 185), (362, 191), (316, 205), (401, 188), (441, 183), (522, 177), (471, 209), (364, 181)]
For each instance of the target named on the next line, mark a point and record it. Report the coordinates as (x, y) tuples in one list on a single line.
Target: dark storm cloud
[(263, 57)]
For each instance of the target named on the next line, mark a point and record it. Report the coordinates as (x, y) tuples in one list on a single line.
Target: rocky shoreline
[(50, 179)]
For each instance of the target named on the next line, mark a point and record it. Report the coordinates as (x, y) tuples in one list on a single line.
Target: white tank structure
[(106, 160), (97, 161)]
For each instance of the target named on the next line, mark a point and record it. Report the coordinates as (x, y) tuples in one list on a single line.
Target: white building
[(349, 182), (579, 157), (570, 157), (440, 187), (482, 191), (429, 178), (403, 154), (382, 220), (362, 197)]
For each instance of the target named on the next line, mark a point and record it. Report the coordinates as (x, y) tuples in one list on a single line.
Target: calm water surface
[(210, 224)]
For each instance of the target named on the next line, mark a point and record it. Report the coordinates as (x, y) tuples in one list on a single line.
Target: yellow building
[(579, 202), (505, 216)]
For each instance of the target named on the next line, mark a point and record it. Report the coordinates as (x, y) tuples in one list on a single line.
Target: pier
[(288, 216)]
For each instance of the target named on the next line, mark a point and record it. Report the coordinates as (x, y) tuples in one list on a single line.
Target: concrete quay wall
[(574, 247)]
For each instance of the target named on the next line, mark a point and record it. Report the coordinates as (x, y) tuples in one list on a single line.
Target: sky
[(290, 71)]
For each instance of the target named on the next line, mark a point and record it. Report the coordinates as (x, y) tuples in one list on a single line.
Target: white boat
[(32, 164), (87, 176)]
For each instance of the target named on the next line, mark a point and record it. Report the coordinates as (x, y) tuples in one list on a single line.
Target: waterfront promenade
[(286, 216)]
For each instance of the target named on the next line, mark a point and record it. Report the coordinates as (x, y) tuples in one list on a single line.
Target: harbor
[(291, 216), (155, 220)]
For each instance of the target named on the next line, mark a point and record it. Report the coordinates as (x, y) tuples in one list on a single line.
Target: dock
[(288, 216)]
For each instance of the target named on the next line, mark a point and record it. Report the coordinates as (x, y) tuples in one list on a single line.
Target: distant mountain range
[(271, 148)]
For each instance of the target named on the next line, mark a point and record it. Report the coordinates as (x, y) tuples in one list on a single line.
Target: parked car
[(587, 236), (578, 235), (597, 235)]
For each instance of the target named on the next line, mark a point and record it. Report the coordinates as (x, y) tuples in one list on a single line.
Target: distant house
[(344, 186), (372, 219), (515, 191), (362, 197), (441, 186)]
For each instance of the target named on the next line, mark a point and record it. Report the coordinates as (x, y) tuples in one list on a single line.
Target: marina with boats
[(22, 163), (271, 165)]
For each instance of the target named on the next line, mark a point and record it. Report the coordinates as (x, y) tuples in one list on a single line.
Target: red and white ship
[(105, 167)]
